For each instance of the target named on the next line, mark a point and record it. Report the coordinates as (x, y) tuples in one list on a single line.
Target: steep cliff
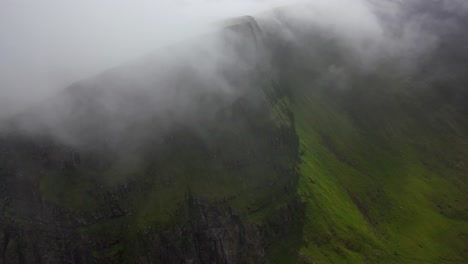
[(268, 142), (108, 172)]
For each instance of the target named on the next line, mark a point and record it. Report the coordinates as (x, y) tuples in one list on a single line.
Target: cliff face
[(57, 206), (210, 236), (110, 172), (261, 144)]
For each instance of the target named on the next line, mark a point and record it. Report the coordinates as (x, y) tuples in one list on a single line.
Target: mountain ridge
[(285, 152)]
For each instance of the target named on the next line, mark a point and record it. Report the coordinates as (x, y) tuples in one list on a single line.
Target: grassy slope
[(383, 177), (383, 180), (378, 186), (380, 179)]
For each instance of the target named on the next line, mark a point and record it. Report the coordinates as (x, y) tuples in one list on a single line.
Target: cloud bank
[(47, 45)]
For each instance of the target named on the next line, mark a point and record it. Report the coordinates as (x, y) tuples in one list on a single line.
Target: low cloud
[(47, 45), (51, 46)]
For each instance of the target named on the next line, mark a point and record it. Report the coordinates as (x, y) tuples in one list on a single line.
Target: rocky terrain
[(266, 142)]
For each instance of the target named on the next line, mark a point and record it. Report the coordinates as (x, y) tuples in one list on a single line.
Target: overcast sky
[(46, 45)]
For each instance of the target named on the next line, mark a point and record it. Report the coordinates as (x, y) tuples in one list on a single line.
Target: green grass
[(381, 178), (370, 190)]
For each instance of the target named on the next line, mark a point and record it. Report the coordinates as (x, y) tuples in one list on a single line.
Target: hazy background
[(47, 45)]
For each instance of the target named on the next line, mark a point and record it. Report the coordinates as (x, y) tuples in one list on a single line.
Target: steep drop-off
[(285, 152), (109, 172)]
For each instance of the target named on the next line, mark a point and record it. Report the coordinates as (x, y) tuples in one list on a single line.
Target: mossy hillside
[(382, 175), (370, 175)]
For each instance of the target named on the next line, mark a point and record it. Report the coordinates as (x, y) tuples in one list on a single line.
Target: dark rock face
[(225, 238), (57, 204), (212, 235), (34, 229)]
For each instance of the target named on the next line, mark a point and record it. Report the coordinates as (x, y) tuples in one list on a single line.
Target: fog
[(47, 45), (120, 79)]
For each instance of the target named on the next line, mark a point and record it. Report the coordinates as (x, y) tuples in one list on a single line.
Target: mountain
[(271, 141)]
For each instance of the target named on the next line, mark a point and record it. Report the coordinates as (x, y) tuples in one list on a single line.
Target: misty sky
[(46, 45), (49, 44)]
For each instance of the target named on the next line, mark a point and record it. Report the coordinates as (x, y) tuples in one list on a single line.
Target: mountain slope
[(266, 143), (396, 192), (383, 153)]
